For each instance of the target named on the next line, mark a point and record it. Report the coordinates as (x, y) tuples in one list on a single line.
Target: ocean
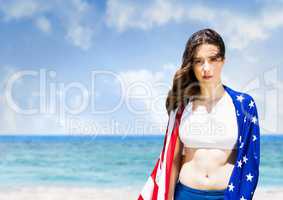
[(102, 161)]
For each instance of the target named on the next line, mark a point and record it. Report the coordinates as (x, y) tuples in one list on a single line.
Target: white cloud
[(79, 29), (126, 14), (74, 16), (12, 122), (239, 29), (161, 12), (199, 13), (80, 36), (16, 9), (118, 19), (272, 17), (8, 117), (270, 115), (153, 87), (153, 121), (43, 24), (15, 123)]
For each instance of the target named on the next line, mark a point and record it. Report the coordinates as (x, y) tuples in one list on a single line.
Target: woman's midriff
[(207, 169)]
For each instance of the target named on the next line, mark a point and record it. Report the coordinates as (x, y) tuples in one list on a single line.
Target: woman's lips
[(207, 77)]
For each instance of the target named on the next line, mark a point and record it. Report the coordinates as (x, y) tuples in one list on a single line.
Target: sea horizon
[(88, 160)]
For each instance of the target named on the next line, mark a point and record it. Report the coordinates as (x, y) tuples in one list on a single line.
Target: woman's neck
[(210, 92)]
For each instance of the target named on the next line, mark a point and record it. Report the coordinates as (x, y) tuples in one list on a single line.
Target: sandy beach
[(81, 193)]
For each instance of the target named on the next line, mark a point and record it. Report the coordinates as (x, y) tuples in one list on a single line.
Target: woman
[(212, 145)]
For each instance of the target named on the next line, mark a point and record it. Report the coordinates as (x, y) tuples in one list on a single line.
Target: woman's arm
[(176, 165), (251, 166)]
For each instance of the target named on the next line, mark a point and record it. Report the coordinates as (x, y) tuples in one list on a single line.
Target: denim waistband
[(197, 191)]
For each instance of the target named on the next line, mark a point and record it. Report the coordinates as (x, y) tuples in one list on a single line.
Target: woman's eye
[(215, 59)]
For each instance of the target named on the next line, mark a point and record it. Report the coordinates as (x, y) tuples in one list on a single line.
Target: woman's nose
[(206, 66)]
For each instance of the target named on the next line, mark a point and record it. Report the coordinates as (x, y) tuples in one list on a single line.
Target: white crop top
[(217, 129)]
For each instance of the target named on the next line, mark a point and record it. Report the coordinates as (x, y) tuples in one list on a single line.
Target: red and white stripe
[(157, 184)]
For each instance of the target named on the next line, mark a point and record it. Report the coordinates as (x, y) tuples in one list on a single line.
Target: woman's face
[(207, 64)]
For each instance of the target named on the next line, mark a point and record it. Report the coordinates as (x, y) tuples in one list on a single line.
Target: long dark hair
[(185, 84)]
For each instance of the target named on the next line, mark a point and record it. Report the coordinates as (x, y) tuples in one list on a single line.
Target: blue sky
[(137, 43)]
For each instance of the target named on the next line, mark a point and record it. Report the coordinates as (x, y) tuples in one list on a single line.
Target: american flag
[(244, 177)]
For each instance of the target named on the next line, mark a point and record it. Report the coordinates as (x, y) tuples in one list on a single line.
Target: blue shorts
[(183, 192)]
